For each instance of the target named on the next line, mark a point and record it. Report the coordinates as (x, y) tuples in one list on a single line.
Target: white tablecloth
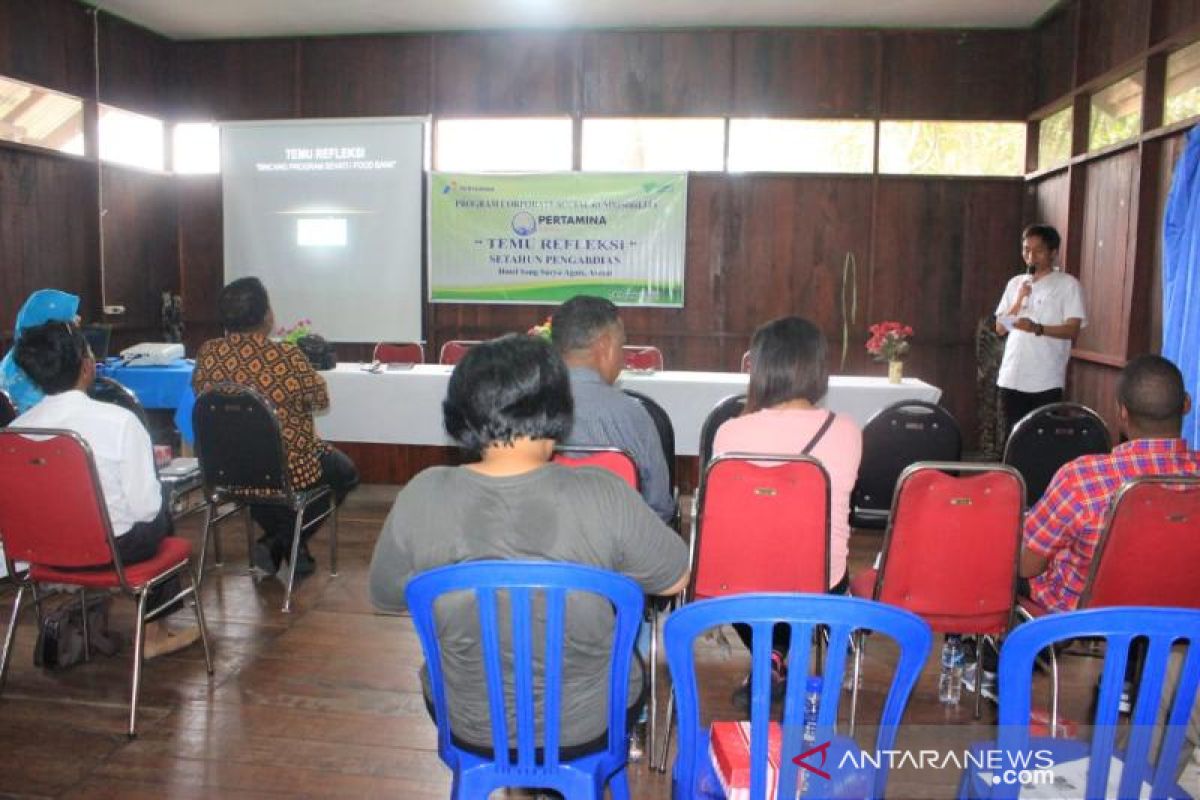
[(405, 406)]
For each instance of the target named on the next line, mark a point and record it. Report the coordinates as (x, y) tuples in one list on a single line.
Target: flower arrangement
[(542, 329), (295, 333), (889, 341)]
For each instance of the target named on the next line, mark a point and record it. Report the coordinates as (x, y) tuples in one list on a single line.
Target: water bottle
[(950, 682), (812, 707)]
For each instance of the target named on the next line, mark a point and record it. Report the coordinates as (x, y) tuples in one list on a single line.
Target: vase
[(895, 371)]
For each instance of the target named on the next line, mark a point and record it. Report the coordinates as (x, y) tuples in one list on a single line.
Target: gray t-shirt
[(448, 515)]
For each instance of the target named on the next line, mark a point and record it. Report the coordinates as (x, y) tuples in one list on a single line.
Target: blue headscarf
[(44, 305)]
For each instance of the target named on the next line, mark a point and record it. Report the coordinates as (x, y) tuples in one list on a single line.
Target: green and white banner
[(544, 238)]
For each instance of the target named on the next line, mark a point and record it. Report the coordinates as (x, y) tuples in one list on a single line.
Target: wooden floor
[(325, 702)]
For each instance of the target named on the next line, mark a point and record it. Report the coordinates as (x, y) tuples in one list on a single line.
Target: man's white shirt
[(1035, 363)]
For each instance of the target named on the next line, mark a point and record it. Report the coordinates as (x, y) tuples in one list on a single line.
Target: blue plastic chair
[(474, 775), (1162, 627), (693, 774)]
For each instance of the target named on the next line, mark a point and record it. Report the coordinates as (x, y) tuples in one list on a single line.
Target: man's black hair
[(1047, 233), (578, 322), (242, 305), (52, 355), (1151, 389), (508, 387)]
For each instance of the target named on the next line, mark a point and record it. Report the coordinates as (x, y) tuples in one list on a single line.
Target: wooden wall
[(1109, 204)]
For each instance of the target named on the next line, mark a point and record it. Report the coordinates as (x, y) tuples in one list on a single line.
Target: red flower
[(889, 340)]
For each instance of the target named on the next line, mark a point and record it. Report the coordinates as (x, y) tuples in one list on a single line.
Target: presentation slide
[(328, 214)]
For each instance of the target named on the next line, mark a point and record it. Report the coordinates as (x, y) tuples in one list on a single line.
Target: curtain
[(1181, 278)]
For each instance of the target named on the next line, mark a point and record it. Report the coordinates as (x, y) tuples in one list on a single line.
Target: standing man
[(279, 371), (1041, 313), (589, 335)]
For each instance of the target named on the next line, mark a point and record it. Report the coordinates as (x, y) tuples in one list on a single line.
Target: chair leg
[(287, 597), (652, 720), (248, 523), (87, 640), (205, 535), (661, 766), (139, 646), (199, 610), (10, 634), (333, 534), (859, 654)]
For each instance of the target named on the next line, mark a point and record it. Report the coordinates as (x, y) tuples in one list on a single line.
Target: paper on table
[(1070, 782), (1008, 321)]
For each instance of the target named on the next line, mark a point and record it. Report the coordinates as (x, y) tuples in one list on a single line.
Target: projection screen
[(328, 214)]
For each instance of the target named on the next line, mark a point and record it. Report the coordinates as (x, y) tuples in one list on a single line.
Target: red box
[(729, 749)]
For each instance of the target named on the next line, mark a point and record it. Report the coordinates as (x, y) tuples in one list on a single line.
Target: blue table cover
[(166, 387)]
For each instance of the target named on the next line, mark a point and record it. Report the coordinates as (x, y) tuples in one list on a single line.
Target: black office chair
[(8, 409), (722, 412), (241, 451), (1048, 437), (897, 436), (666, 431), (108, 390)]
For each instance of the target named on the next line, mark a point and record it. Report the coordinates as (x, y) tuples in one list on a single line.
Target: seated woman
[(44, 305), (510, 400), (788, 377)]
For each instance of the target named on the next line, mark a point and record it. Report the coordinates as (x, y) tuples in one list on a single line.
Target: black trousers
[(1018, 404), (337, 471), (781, 636)]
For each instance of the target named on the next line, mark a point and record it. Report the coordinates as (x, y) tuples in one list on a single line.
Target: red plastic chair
[(402, 353), (951, 549), (52, 515), (761, 525), (613, 459), (642, 357), (453, 350), (1147, 554)]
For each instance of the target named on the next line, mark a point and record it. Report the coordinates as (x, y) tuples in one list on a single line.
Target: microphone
[(1029, 269)]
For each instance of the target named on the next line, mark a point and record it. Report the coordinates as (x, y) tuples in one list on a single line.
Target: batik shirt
[(280, 372)]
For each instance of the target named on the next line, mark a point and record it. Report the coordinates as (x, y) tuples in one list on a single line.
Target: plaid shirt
[(1064, 526)]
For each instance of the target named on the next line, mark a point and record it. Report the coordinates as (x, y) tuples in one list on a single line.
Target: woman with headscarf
[(44, 305)]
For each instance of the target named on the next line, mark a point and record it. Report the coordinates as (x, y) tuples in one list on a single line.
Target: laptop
[(98, 337)]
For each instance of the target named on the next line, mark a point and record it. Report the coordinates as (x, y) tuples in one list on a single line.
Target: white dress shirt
[(121, 448), (1035, 363)]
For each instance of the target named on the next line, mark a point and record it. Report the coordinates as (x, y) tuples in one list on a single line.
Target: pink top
[(786, 432)]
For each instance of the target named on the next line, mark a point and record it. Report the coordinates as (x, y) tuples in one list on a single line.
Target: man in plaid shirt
[(1062, 529)]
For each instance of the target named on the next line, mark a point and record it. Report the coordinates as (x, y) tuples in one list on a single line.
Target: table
[(165, 387), (404, 406)]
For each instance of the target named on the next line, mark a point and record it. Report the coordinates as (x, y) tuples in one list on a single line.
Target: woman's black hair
[(52, 355), (513, 386), (788, 358)]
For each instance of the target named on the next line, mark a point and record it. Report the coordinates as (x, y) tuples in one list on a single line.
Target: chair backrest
[(746, 362), (725, 410), (453, 350), (399, 353), (662, 424), (52, 509), (109, 390), (239, 443), (514, 688), (897, 436), (613, 459), (8, 409), (1048, 437), (952, 544), (842, 616), (1162, 628), (762, 525), (642, 356), (1148, 553)]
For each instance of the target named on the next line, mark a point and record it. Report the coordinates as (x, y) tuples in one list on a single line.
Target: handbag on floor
[(60, 640)]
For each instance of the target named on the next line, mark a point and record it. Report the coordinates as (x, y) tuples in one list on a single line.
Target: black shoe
[(741, 695), (263, 558), (305, 564)]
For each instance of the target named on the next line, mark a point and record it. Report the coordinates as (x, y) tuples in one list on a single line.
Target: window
[(919, 147), (504, 145), (1054, 138), (134, 140), (650, 144), (1116, 113), (196, 148), (40, 117), (801, 145), (1183, 84)]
